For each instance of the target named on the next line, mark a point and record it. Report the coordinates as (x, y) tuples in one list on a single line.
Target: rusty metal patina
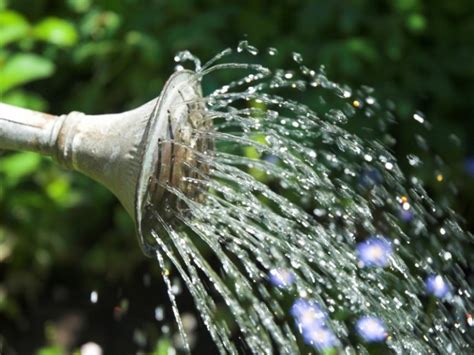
[(135, 154)]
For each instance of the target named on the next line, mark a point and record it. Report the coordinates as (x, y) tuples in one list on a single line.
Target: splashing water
[(309, 234)]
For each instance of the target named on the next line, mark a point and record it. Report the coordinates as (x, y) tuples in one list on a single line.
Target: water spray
[(308, 234), (128, 152)]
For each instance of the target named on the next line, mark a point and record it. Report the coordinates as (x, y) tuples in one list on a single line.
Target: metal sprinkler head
[(135, 154)]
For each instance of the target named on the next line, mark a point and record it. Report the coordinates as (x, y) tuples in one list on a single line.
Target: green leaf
[(406, 5), (23, 68), (416, 22), (52, 350), (163, 347), (56, 31), (58, 190), (363, 48), (25, 99), (13, 27), (79, 5), (18, 165), (329, 351)]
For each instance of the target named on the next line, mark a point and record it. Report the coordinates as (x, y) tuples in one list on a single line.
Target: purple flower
[(281, 278), (469, 165), (437, 286), (406, 216), (375, 251), (308, 314), (371, 329), (320, 337)]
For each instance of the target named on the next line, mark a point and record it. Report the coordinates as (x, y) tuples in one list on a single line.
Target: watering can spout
[(22, 129), (131, 153)]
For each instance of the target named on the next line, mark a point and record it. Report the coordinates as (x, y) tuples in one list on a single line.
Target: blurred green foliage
[(108, 55)]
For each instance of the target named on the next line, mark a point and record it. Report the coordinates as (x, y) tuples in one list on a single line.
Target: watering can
[(131, 153)]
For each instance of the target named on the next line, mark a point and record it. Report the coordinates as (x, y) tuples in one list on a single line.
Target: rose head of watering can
[(139, 155)]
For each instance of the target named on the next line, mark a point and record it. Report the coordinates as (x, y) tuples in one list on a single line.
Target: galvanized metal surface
[(22, 129), (130, 152)]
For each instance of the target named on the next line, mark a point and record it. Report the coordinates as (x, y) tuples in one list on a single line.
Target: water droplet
[(176, 287), (455, 139), (139, 337), (413, 160), (184, 56), (297, 57), (268, 204), (305, 70), (272, 51), (91, 348), (94, 297), (418, 116), (370, 100), (245, 46), (319, 212), (165, 329), (421, 142), (159, 313)]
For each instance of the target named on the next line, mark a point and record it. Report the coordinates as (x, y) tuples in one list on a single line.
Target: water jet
[(310, 235)]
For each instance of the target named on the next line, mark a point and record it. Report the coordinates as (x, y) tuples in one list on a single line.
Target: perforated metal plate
[(174, 117)]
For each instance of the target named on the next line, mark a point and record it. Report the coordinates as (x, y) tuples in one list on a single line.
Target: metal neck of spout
[(103, 147), (22, 129)]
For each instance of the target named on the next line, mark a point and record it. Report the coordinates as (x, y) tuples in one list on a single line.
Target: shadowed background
[(71, 270)]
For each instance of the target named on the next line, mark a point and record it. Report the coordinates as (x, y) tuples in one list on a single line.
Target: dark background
[(63, 236)]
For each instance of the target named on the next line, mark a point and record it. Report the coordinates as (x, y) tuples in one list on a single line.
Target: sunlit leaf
[(79, 5), (25, 99), (58, 190), (56, 31), (13, 27), (52, 350), (19, 165), (416, 22), (23, 68), (163, 347)]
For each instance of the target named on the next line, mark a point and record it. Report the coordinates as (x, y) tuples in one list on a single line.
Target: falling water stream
[(306, 231)]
